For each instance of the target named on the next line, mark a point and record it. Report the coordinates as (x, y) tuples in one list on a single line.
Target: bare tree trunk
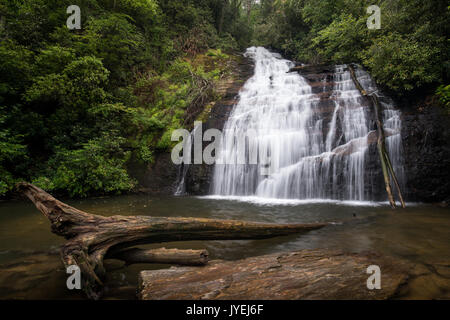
[(386, 164), (221, 17), (248, 7), (92, 237)]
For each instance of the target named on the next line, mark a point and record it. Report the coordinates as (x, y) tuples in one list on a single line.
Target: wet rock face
[(426, 144), (157, 178)]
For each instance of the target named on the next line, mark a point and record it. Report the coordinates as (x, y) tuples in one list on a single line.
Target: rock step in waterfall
[(311, 153)]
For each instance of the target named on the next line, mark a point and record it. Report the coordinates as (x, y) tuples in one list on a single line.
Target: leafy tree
[(401, 63), (11, 150), (98, 167), (410, 51), (80, 106), (342, 40)]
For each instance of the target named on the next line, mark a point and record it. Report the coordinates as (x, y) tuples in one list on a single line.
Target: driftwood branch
[(91, 237), (386, 164), (161, 256)]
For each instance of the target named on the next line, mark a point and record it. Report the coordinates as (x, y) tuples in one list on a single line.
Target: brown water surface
[(30, 267)]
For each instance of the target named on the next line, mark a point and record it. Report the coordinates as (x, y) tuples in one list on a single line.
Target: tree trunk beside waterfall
[(92, 238), (386, 164)]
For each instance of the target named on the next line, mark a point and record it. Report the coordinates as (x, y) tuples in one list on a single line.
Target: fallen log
[(295, 69), (161, 256), (91, 237), (307, 274)]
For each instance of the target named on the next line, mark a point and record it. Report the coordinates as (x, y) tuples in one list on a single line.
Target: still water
[(30, 267)]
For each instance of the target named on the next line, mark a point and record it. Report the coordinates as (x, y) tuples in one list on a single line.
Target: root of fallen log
[(91, 238), (386, 165)]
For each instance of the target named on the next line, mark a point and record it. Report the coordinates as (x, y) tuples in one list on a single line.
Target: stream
[(31, 268)]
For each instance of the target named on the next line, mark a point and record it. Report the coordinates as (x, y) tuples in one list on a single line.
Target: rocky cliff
[(426, 144), (162, 177), (425, 139)]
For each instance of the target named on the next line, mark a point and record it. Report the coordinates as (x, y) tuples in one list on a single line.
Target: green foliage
[(409, 51), (11, 150), (401, 63), (342, 40), (79, 84), (96, 168), (117, 42), (15, 70), (53, 59), (443, 93), (81, 105), (217, 53)]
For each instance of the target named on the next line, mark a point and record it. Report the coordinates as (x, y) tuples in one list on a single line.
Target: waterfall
[(303, 152)]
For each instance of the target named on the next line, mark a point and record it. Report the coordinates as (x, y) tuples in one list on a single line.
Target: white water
[(310, 156)]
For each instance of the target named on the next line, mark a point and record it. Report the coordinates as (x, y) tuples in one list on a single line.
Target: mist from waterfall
[(307, 154)]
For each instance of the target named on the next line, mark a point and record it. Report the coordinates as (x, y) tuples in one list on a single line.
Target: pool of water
[(30, 267)]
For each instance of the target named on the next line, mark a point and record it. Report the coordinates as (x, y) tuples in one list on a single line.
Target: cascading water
[(302, 154)]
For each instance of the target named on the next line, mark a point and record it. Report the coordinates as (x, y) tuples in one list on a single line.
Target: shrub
[(443, 93), (96, 168)]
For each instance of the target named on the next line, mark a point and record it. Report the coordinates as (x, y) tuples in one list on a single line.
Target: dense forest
[(78, 106)]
